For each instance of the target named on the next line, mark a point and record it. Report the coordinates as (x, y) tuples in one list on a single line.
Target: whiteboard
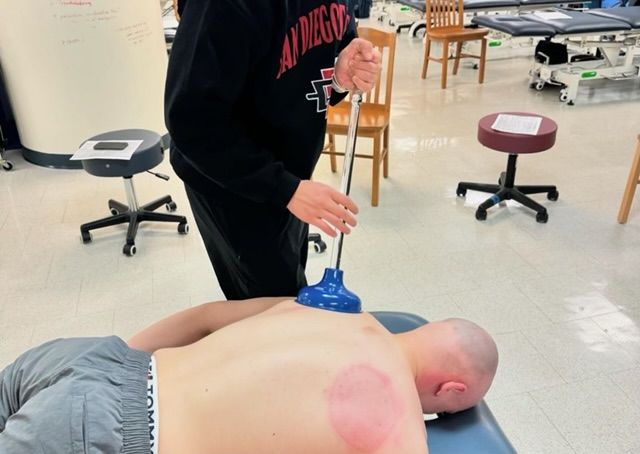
[(77, 68)]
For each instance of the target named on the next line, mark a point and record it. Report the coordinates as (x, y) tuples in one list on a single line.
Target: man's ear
[(451, 386)]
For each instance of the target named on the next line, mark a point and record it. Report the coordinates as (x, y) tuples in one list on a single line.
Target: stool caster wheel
[(481, 215), (129, 250), (171, 206), (461, 192), (542, 217), (183, 228), (564, 96), (114, 212), (7, 165), (320, 246), (553, 196), (538, 86), (86, 237)]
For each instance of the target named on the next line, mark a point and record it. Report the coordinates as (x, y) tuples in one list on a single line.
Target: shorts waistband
[(135, 427)]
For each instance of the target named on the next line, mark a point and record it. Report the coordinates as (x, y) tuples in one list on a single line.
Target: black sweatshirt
[(247, 92)]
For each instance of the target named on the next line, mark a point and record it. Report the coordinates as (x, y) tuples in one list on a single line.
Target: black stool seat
[(514, 144), (147, 156)]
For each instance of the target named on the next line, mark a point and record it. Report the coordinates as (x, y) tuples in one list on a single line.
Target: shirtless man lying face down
[(253, 377)]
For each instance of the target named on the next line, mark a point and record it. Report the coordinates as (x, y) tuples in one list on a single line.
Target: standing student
[(247, 91)]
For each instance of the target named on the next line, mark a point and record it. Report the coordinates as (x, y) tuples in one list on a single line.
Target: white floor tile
[(122, 289), (565, 297), (521, 368), (595, 416), (500, 308), (629, 381), (527, 426), (39, 305), (623, 329), (579, 349), (14, 340), (97, 324)]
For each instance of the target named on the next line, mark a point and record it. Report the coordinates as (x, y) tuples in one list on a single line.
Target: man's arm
[(191, 325)]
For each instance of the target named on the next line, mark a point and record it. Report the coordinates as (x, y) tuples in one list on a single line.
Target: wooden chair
[(632, 182), (445, 23), (375, 112)]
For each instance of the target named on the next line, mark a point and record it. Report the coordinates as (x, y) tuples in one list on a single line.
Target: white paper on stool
[(86, 151), (517, 124)]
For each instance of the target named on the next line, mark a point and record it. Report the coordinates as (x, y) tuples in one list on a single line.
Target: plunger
[(330, 293)]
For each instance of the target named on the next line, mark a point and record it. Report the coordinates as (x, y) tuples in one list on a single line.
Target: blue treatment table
[(615, 33), (474, 7)]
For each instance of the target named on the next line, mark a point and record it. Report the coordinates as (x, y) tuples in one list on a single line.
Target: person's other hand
[(358, 66), (324, 207)]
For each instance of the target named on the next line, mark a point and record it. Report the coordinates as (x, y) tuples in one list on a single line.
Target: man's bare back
[(290, 380)]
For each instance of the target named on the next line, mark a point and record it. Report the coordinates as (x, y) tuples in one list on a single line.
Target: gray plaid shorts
[(73, 396)]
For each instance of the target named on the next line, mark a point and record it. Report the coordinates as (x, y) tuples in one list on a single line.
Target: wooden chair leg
[(332, 155), (385, 151), (483, 58), (427, 56), (375, 181), (632, 183), (445, 61), (457, 62)]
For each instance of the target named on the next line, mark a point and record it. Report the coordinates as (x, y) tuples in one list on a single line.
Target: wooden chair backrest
[(444, 14), (175, 10), (385, 42)]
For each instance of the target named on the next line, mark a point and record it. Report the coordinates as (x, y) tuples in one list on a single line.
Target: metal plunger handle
[(347, 169)]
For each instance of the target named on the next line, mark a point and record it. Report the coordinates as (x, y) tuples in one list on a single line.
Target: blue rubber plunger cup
[(330, 293)]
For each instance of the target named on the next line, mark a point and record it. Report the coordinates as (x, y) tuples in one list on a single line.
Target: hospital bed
[(473, 431), (600, 44), (472, 7)]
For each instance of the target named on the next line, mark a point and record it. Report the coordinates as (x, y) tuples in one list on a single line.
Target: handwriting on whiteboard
[(87, 17), (81, 19), (76, 3), (71, 41), (71, 3), (137, 33)]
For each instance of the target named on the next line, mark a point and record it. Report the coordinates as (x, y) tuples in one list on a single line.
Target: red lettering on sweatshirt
[(320, 26), (304, 35)]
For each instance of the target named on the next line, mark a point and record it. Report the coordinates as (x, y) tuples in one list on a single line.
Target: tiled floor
[(562, 299)]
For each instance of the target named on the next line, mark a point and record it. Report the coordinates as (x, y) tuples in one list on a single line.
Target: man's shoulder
[(375, 410)]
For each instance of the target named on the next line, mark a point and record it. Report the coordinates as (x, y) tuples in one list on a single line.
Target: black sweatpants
[(255, 249)]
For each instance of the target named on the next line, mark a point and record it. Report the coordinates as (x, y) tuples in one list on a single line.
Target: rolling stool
[(514, 144), (147, 156), (318, 244), (5, 163)]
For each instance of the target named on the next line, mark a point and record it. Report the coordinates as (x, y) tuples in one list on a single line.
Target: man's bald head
[(455, 362), (476, 348)]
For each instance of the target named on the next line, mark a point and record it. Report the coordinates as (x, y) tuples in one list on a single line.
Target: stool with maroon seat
[(514, 144)]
